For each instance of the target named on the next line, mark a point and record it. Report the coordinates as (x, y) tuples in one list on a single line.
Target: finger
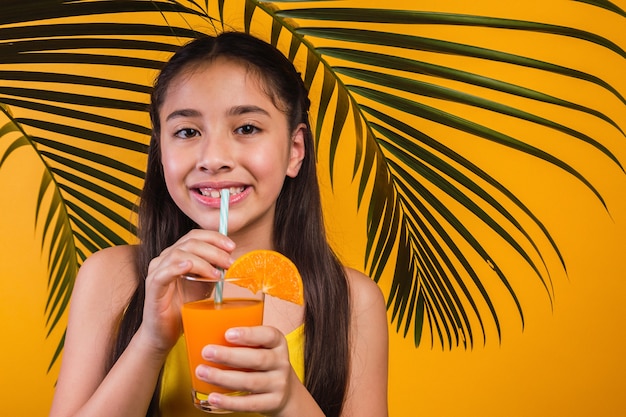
[(253, 403), (211, 237), (264, 336), (163, 270), (258, 348), (245, 358), (203, 237), (195, 259), (241, 380), (207, 252), (191, 256), (159, 279)]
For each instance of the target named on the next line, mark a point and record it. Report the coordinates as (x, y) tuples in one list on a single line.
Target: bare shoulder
[(108, 274), (103, 287), (367, 386), (104, 284), (365, 294), (116, 256)]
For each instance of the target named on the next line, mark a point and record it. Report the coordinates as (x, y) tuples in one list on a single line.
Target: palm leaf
[(605, 4), (57, 241), (90, 129)]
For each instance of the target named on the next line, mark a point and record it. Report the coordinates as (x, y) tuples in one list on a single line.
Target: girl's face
[(219, 129)]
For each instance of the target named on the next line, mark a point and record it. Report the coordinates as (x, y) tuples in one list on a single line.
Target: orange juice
[(205, 323)]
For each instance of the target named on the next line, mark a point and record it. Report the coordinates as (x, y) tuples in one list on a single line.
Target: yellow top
[(176, 399)]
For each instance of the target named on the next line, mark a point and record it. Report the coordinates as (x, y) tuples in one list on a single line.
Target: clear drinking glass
[(205, 321)]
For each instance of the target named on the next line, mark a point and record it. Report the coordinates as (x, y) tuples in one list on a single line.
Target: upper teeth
[(214, 193)]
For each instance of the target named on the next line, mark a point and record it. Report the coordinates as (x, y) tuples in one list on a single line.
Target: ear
[(297, 151)]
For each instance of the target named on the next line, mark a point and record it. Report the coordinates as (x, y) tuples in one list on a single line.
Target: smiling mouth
[(215, 193)]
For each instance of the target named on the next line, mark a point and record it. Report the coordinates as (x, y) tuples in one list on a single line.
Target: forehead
[(228, 73)]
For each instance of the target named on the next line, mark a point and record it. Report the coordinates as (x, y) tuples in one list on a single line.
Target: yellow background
[(568, 360)]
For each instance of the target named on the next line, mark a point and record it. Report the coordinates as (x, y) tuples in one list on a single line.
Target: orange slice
[(270, 271)]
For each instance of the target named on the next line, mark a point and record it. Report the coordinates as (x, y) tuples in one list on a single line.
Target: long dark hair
[(298, 227)]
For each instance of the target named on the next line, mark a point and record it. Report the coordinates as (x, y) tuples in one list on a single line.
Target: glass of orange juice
[(205, 320)]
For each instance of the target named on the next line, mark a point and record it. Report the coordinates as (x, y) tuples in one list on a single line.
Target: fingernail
[(201, 372), (232, 334), (208, 352), (215, 399)]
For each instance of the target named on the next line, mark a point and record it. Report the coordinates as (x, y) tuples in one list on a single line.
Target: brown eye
[(186, 133), (247, 130)]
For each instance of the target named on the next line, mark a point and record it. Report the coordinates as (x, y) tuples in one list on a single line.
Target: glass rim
[(198, 278)]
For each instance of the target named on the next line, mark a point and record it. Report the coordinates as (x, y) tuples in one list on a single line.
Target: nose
[(215, 154)]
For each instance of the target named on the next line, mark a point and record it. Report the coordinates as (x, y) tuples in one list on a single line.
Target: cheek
[(173, 170), (267, 162)]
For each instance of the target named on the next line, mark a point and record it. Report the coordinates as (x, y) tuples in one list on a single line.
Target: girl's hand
[(262, 368), (199, 252)]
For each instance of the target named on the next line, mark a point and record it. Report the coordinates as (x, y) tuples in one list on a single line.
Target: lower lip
[(215, 202)]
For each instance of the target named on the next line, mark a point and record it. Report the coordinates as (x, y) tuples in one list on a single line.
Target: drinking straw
[(223, 229)]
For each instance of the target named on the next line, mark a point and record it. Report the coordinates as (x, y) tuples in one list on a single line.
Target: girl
[(227, 112)]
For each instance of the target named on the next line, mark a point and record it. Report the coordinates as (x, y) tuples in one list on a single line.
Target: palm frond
[(605, 4), (57, 242), (93, 157), (422, 288)]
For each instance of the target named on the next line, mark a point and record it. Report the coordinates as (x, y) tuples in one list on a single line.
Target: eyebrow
[(183, 113), (239, 110)]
